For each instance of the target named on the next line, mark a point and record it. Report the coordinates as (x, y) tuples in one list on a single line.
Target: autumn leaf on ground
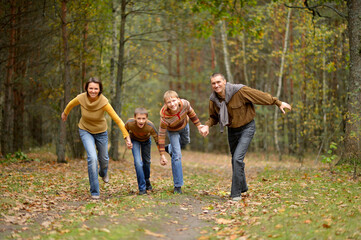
[(150, 233), (224, 221)]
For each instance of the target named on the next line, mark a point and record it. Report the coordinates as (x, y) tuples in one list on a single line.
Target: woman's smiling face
[(93, 90)]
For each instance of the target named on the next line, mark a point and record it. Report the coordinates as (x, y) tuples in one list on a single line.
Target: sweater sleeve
[(70, 105), (109, 109), (161, 136), (154, 134), (193, 116)]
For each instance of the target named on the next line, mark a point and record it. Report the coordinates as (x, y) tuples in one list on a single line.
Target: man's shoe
[(142, 192), (148, 186), (106, 178), (237, 198), (177, 190), (95, 196)]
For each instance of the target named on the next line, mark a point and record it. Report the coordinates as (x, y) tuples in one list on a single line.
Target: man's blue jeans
[(178, 140), (239, 140), (141, 154), (92, 143)]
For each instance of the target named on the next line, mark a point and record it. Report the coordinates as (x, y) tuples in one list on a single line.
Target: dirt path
[(41, 198)]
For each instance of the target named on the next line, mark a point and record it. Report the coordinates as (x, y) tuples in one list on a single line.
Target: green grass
[(282, 202), (296, 204)]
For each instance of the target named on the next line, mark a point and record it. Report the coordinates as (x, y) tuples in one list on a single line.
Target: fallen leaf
[(150, 233), (104, 230), (223, 221), (326, 225), (278, 226)]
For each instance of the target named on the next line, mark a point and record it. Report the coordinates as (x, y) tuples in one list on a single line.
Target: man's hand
[(204, 130), (285, 105), (129, 142), (163, 160)]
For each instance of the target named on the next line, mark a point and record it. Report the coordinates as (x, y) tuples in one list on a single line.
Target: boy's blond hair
[(170, 94), (140, 111)]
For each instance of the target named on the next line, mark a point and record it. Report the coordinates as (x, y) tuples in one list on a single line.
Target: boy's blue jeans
[(178, 140), (92, 143), (141, 154), (239, 140)]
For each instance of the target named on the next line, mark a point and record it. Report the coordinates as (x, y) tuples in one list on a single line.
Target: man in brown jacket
[(231, 105)]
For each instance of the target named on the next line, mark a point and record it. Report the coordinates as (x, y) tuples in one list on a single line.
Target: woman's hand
[(64, 116)]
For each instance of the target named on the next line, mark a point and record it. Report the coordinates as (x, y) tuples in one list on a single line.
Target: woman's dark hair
[(94, 80)]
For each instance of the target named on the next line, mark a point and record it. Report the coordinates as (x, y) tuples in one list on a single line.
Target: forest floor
[(41, 199)]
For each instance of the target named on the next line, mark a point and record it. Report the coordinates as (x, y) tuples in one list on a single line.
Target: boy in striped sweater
[(140, 130), (174, 118)]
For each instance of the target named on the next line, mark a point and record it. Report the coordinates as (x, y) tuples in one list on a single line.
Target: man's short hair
[(140, 111), (217, 75), (170, 94)]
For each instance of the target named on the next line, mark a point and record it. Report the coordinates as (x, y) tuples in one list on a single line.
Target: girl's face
[(172, 104), (93, 90)]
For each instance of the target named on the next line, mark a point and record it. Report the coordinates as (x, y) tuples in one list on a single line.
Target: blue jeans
[(92, 143), (141, 154), (178, 140), (239, 140)]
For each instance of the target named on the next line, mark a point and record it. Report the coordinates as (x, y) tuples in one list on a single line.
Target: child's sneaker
[(142, 192), (177, 190), (166, 148), (106, 178)]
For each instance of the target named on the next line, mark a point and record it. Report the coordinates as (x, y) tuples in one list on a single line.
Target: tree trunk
[(116, 101), (114, 48), (66, 80), (280, 83), (225, 52), (352, 152), (7, 114), (213, 53), (243, 39)]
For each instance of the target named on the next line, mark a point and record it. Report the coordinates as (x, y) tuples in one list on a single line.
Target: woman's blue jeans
[(141, 154), (239, 140), (92, 143), (178, 140)]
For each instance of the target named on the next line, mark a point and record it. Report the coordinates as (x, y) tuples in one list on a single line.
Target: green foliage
[(330, 157), (18, 157)]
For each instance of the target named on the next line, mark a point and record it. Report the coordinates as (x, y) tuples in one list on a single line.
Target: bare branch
[(314, 9)]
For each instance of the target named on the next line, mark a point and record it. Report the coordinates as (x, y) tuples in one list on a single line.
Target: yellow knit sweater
[(92, 114)]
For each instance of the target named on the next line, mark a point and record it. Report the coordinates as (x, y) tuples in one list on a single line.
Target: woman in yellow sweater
[(93, 130)]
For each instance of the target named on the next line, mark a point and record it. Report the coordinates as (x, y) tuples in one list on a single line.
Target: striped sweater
[(175, 122)]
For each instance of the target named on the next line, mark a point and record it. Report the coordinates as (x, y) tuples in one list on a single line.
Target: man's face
[(218, 84), (141, 119), (172, 104)]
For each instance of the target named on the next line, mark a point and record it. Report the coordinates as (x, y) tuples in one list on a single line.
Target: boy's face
[(172, 104), (141, 119)]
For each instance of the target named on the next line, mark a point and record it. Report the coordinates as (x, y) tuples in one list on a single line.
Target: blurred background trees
[(140, 49)]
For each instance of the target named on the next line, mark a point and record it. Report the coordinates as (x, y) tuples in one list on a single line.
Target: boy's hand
[(163, 160), (203, 130), (129, 142)]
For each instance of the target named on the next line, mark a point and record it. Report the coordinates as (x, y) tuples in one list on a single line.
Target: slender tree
[(117, 103), (66, 81)]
